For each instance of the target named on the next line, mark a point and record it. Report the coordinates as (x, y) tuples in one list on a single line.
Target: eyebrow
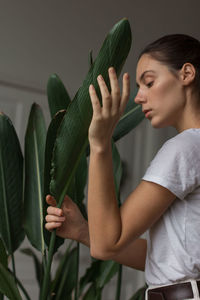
[(143, 74)]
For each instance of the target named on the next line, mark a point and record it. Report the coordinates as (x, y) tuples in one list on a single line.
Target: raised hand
[(67, 220), (105, 117)]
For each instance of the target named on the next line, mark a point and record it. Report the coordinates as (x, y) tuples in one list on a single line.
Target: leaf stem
[(77, 273), (45, 284), (20, 285), (119, 282)]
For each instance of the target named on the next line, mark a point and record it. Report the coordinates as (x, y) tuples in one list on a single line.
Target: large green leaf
[(51, 136), (132, 116), (58, 97), (11, 186), (8, 286), (34, 172), (72, 134)]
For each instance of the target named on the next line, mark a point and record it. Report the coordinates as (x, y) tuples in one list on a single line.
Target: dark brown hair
[(174, 50)]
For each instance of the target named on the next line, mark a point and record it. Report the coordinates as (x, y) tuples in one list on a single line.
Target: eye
[(149, 84)]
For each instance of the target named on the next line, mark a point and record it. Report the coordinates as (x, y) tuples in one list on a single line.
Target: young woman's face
[(160, 92)]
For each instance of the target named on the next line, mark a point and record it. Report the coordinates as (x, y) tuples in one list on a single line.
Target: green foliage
[(11, 186), (56, 163), (34, 173), (7, 284)]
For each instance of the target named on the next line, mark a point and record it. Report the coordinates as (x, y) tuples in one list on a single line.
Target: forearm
[(103, 211), (133, 256)]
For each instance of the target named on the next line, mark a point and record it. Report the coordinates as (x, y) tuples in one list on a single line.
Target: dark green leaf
[(51, 136), (58, 97), (93, 293), (11, 186), (107, 270), (132, 116), (34, 172), (72, 139), (80, 180), (99, 273), (90, 275), (90, 59), (8, 286)]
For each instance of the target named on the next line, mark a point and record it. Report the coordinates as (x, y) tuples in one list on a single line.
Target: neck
[(190, 115)]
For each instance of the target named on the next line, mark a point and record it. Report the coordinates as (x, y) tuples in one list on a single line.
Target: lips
[(147, 112)]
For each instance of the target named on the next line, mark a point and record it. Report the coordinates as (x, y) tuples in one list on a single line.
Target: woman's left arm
[(111, 229)]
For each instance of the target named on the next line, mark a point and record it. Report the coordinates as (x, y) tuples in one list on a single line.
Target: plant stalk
[(45, 284), (77, 273), (20, 285), (119, 283)]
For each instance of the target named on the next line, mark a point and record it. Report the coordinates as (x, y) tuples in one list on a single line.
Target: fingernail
[(100, 77)]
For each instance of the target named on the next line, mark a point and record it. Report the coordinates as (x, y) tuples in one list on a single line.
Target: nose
[(140, 97)]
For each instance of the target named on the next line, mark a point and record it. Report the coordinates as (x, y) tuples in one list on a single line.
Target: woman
[(167, 201)]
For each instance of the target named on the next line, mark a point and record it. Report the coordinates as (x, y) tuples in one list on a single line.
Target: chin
[(158, 124)]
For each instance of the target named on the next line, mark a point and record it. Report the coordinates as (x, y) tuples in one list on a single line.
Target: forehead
[(146, 63)]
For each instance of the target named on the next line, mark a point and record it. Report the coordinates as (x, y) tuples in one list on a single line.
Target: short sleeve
[(176, 166)]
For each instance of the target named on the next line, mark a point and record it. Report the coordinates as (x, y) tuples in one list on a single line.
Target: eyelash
[(149, 84)]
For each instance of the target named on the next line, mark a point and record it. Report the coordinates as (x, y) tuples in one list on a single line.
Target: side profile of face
[(160, 92)]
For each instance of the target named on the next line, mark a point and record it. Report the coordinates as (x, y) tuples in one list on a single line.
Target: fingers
[(54, 218), (125, 92), (94, 100), (50, 200), (106, 97), (52, 225)]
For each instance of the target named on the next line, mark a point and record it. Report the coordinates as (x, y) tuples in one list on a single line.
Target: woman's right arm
[(69, 223)]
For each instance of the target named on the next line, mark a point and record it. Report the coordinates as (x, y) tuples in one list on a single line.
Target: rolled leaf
[(58, 97), (8, 286), (34, 172), (50, 140), (11, 186), (72, 139), (132, 116)]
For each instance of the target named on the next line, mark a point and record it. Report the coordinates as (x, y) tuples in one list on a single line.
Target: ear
[(187, 74)]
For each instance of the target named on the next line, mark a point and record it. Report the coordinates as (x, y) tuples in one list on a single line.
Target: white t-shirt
[(173, 252)]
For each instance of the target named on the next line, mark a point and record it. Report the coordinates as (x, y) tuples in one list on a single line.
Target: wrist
[(84, 235), (100, 149)]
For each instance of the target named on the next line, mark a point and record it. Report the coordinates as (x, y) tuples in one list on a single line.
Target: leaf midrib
[(5, 202), (39, 187)]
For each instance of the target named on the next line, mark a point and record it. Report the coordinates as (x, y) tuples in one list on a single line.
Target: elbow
[(102, 253)]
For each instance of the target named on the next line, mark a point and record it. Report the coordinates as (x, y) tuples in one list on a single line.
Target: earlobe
[(188, 74)]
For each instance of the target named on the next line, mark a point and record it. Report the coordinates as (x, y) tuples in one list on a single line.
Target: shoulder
[(184, 143), (176, 165)]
